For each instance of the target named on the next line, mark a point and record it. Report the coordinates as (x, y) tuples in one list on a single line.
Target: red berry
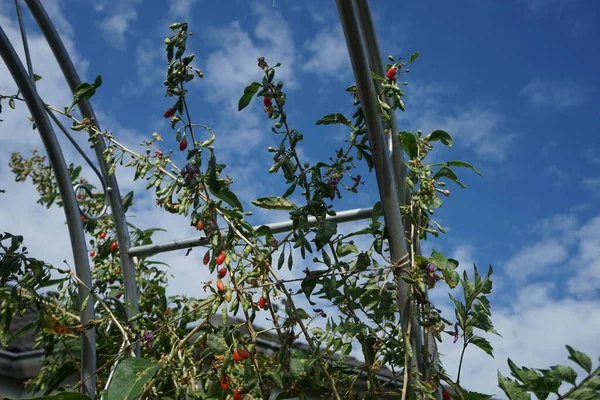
[(148, 310), (103, 235), (446, 395), (224, 382), (119, 295), (267, 102), (237, 395), (262, 303), (391, 73), (79, 196), (220, 286), (113, 246), (92, 253), (200, 225), (183, 144), (222, 272), (236, 355), (82, 218), (111, 281), (244, 354), (170, 112), (220, 258), (206, 259)]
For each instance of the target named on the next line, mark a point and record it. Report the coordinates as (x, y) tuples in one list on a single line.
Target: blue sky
[(515, 83)]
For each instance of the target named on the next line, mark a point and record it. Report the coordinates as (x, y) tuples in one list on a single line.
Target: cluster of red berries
[(240, 355), (237, 395), (183, 144), (113, 246)]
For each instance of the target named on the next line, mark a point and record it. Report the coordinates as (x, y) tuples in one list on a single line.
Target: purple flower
[(447, 193), (356, 182), (148, 339), (189, 173), (455, 332), (432, 276)]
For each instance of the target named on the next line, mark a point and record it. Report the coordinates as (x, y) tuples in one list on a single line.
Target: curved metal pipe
[(71, 208), (116, 202)]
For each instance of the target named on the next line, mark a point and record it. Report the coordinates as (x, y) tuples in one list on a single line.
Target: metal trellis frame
[(74, 224), (397, 156), (361, 39)]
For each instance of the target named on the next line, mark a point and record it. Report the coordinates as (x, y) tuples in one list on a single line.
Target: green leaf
[(11, 103), (377, 77), (249, 93), (478, 396), (324, 233), (334, 119), (59, 396), (593, 383), (584, 393), (130, 377), (409, 144), (216, 344), (563, 373), (439, 135), (452, 278), (274, 203), (24, 329), (448, 173), (377, 212), (85, 91), (128, 200), (299, 365), (36, 77), (581, 359), (344, 250), (513, 390), (227, 196), (483, 344), (457, 163), (413, 57)]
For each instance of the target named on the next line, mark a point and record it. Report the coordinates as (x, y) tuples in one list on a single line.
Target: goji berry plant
[(186, 352)]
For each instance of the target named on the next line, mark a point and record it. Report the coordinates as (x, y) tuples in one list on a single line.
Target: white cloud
[(577, 28), (536, 260), (181, 8), (328, 55), (592, 155), (45, 233), (586, 265), (465, 255), (592, 185), (544, 7), (116, 24), (534, 332), (559, 177), (559, 225), (233, 66), (560, 95), (478, 127)]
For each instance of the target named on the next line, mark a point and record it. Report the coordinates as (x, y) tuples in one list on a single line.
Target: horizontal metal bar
[(277, 227)]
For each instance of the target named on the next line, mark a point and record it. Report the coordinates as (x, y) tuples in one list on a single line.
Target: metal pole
[(63, 179), (403, 192), (383, 168), (114, 195), (277, 227)]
